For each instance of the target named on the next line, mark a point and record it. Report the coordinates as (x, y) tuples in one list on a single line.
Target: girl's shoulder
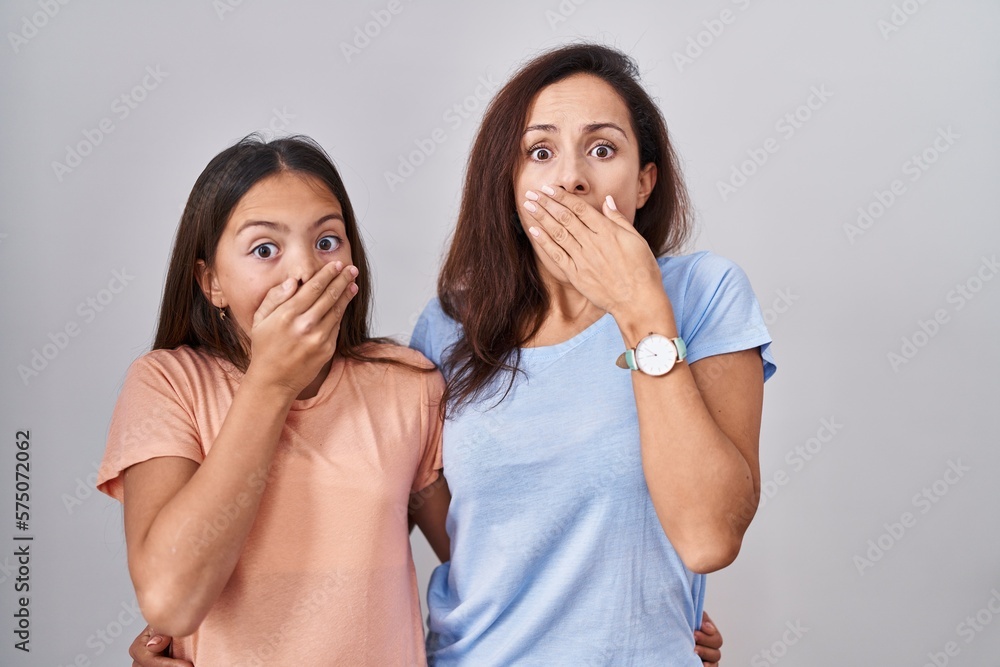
[(392, 367), (388, 351), (182, 365)]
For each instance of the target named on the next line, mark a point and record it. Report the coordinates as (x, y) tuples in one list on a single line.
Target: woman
[(588, 501)]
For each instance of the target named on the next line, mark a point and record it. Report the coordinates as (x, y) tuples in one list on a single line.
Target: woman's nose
[(571, 176)]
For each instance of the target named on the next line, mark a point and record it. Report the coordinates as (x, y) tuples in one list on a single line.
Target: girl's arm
[(170, 501), (699, 425), (429, 511)]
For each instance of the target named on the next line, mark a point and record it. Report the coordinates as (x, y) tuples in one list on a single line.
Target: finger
[(555, 252), (275, 296), (707, 655), (611, 212), (567, 231), (325, 301), (331, 320), (139, 643), (314, 288), (709, 628), (568, 207)]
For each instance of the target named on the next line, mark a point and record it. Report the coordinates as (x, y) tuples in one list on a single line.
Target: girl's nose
[(303, 266)]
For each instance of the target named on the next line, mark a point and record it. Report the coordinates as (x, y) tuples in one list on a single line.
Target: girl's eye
[(328, 243), (265, 250), (603, 151), (540, 154)]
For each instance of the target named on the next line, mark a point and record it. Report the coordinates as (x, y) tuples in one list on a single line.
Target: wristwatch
[(654, 355)]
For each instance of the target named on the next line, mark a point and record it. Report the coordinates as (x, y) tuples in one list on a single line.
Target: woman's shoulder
[(701, 263)]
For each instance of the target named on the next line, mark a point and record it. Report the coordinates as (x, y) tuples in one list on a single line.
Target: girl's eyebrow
[(586, 129), (280, 226)]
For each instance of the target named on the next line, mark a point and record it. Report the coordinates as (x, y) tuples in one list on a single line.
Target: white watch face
[(655, 354)]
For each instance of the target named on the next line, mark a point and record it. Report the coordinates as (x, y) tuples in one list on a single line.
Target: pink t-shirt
[(326, 576)]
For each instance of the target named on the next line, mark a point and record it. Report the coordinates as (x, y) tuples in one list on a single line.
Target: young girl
[(266, 449)]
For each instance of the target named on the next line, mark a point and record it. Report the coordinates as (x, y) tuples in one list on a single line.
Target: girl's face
[(287, 225), (579, 137)]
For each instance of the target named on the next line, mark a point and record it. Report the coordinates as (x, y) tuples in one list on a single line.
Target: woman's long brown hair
[(186, 315), (490, 282)]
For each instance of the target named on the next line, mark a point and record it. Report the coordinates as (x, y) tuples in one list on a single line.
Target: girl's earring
[(222, 314)]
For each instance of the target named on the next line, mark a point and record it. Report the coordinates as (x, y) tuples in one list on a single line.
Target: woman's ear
[(647, 181), (209, 284)]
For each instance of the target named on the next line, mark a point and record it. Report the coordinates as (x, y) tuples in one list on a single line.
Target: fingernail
[(353, 287), (533, 231), (338, 265), (354, 271), (707, 624), (531, 207), (532, 195), (287, 285), (611, 203), (547, 190), (155, 639)]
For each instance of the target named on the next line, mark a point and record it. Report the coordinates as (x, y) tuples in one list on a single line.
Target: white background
[(837, 301)]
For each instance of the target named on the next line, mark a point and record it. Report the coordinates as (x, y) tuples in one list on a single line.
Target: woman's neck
[(569, 313)]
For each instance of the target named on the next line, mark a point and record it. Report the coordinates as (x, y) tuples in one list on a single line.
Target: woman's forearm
[(699, 429)]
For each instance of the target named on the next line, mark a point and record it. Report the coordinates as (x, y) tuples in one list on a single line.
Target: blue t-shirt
[(557, 555)]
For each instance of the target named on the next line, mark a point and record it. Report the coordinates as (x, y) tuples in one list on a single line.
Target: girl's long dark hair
[(490, 283), (186, 315)]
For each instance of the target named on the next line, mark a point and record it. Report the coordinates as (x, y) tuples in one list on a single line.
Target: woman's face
[(579, 137), (287, 225)]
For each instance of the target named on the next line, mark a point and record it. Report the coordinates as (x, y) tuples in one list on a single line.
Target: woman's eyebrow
[(586, 129), (280, 226)]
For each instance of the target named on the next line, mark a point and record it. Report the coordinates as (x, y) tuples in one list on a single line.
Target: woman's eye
[(265, 250), (540, 154), (602, 151), (328, 243)]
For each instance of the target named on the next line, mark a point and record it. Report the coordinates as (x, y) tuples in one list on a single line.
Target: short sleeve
[(150, 419), (434, 333), (720, 313), (431, 391)]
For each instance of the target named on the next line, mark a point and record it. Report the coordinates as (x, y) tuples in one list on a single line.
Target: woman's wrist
[(637, 319)]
